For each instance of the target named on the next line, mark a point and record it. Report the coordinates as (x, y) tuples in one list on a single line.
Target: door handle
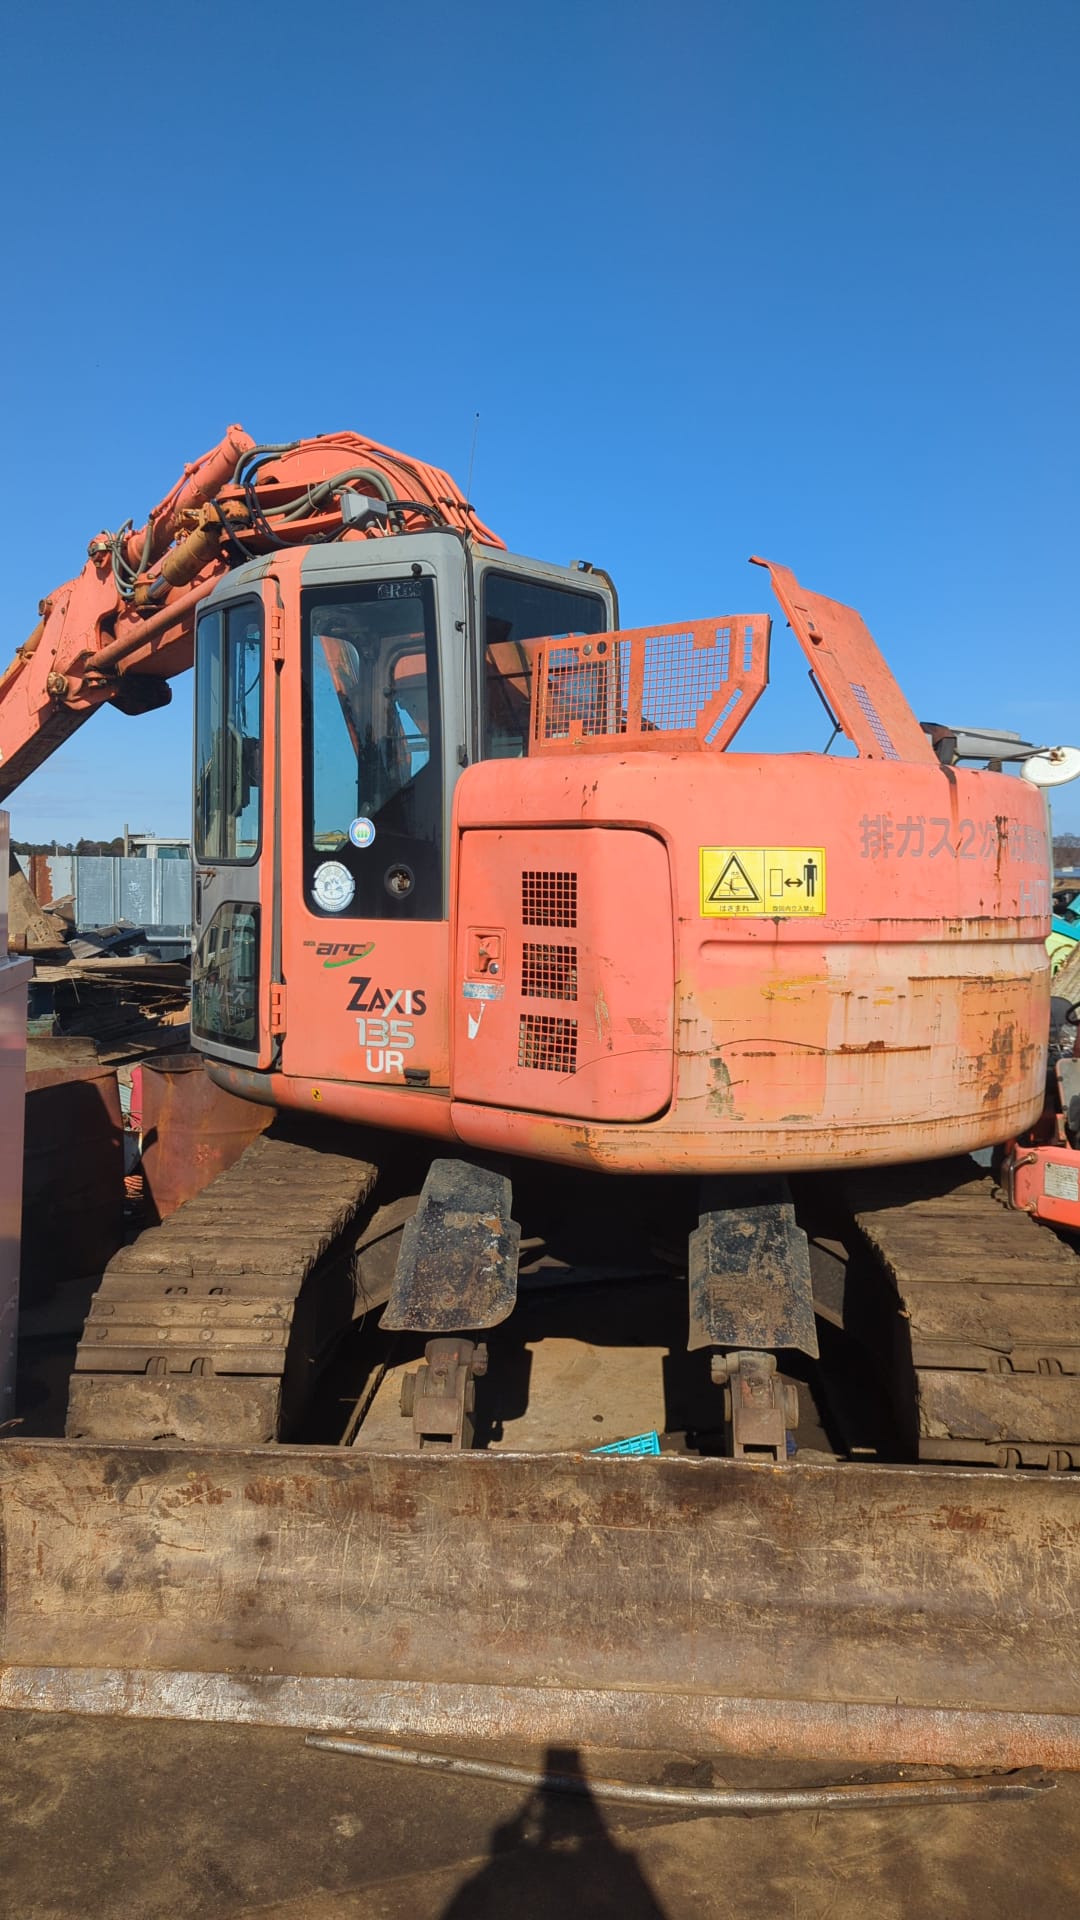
[(200, 876)]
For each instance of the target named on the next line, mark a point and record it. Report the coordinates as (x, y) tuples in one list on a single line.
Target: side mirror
[(1052, 767)]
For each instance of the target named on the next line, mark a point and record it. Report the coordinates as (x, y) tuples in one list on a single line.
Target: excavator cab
[(340, 691)]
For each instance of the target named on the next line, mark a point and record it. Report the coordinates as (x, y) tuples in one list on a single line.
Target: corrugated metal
[(147, 893), (96, 892), (136, 892), (175, 882)]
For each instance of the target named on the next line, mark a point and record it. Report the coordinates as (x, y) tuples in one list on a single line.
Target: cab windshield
[(374, 777)]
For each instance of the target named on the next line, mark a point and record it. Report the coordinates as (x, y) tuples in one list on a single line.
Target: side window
[(228, 733), (225, 978), (513, 611)]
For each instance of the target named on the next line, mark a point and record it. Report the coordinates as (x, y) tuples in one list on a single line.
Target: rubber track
[(188, 1332), (992, 1305)]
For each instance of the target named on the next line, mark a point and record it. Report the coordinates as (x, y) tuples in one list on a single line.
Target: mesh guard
[(663, 688)]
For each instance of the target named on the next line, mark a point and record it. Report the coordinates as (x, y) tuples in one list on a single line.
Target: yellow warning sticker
[(762, 880)]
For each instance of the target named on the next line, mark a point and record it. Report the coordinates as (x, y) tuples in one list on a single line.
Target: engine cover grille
[(549, 899)]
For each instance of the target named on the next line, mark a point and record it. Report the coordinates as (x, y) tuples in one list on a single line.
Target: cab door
[(373, 731), (233, 827)]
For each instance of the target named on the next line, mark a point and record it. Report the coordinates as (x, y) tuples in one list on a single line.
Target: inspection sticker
[(762, 880)]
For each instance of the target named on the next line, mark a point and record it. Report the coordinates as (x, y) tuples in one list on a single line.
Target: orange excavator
[(476, 865)]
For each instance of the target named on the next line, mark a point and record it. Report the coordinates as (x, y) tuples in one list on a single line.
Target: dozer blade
[(858, 1613)]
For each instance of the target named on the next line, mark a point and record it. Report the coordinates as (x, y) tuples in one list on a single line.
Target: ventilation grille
[(548, 973), (547, 1043), (877, 724), (549, 899)]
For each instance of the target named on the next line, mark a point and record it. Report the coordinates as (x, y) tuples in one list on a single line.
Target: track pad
[(750, 1285), (457, 1269)]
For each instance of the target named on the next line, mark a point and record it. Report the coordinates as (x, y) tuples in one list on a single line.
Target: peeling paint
[(721, 1098), (603, 1020)]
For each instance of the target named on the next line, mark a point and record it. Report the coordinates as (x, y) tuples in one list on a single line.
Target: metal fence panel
[(175, 902), (96, 901), (146, 893), (137, 891)]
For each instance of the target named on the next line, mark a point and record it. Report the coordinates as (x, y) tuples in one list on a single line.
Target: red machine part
[(561, 1007), (191, 1130), (1045, 1182), (858, 1028), (1040, 1172)]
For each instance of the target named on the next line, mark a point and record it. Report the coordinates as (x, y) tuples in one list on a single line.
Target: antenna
[(472, 455)]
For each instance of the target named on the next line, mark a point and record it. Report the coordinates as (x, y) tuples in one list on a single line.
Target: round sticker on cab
[(362, 832), (333, 887)]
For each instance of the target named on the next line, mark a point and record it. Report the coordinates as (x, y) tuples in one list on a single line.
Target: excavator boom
[(118, 631)]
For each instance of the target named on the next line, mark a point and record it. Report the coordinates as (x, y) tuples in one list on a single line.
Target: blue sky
[(794, 279)]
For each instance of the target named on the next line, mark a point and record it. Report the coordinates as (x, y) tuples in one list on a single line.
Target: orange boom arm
[(123, 627)]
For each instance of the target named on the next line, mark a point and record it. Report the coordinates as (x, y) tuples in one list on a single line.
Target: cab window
[(515, 610)]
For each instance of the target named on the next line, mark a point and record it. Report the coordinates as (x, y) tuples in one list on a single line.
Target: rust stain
[(265, 1493), (968, 1520), (195, 1492)]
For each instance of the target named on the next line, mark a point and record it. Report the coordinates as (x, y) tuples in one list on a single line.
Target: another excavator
[(476, 865)]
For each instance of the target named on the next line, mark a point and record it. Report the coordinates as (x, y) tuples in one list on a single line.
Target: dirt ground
[(161, 1821)]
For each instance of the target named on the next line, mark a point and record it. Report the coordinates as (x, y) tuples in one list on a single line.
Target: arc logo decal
[(346, 959), (341, 953)]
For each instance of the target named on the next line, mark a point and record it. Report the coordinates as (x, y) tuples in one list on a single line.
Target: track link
[(188, 1333), (991, 1305)]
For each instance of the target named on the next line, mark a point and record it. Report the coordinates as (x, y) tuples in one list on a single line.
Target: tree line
[(70, 846)]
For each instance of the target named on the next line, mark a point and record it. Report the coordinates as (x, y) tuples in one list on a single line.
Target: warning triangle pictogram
[(734, 883)]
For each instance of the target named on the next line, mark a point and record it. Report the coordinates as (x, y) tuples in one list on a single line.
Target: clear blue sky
[(777, 277)]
